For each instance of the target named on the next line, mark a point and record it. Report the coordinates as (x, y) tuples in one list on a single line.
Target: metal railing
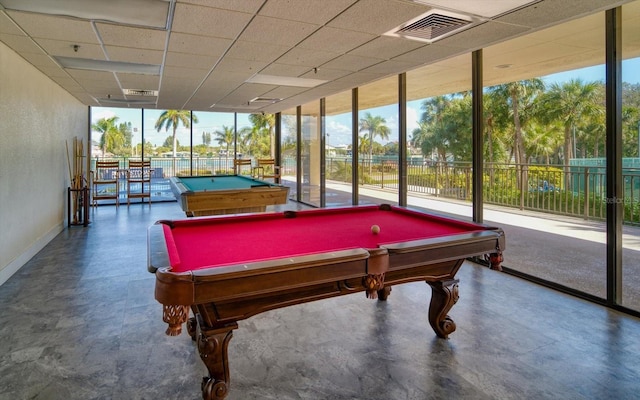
[(577, 190)]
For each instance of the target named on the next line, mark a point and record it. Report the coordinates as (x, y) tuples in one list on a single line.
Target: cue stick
[(66, 143), (69, 163)]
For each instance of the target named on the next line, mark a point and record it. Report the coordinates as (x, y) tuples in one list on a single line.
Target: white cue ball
[(375, 229)]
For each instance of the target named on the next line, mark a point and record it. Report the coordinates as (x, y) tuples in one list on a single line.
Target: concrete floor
[(79, 321)]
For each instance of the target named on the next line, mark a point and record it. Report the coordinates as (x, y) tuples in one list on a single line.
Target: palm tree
[(373, 126), (265, 123), (225, 137), (105, 126), (428, 137), (171, 119), (541, 142), (571, 102), (520, 97)]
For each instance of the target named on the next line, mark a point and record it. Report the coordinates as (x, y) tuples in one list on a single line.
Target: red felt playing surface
[(201, 243)]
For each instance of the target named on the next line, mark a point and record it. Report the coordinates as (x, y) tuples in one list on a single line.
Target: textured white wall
[(36, 118)]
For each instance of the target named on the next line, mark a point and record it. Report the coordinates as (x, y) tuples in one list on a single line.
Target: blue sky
[(339, 127)]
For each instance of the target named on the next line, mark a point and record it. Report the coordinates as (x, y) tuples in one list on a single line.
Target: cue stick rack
[(78, 192)]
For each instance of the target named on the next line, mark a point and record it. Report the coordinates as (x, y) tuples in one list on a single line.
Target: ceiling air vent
[(140, 92), (434, 25)]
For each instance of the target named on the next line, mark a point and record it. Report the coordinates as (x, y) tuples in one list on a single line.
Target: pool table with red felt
[(228, 268)]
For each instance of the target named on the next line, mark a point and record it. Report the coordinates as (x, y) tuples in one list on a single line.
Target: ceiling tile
[(251, 51), (138, 81), (325, 73), (550, 12), (40, 60), (207, 21), (21, 44), (126, 36), (285, 70), (191, 61), (50, 27), (335, 40), (428, 54), (484, 8), (247, 6), (246, 92), (85, 76), (310, 11), (196, 44), (53, 71), (66, 49), (377, 17), (133, 55), (277, 31), (243, 66), (482, 35), (283, 92), (307, 57), (8, 27), (386, 47), (188, 74), (389, 67), (350, 62)]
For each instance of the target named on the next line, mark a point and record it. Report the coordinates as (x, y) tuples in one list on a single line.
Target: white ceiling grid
[(213, 48)]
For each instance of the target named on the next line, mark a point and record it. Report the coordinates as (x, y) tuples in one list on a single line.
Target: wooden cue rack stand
[(78, 193), (79, 198)]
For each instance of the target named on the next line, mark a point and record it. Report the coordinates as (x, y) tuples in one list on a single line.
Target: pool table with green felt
[(225, 194)]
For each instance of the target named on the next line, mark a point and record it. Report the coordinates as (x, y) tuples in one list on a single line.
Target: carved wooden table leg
[(192, 327), (444, 294), (212, 346), (383, 293)]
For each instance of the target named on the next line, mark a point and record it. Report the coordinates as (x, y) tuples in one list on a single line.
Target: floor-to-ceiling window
[(338, 151), (171, 130), (310, 153), (631, 154), (288, 149), (439, 133), (378, 141), (116, 134), (213, 143), (544, 120)]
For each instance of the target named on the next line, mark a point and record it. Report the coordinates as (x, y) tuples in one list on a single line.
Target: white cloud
[(105, 113), (412, 120)]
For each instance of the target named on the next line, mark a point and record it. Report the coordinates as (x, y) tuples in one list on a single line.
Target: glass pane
[(288, 145), (116, 135), (631, 154), (439, 137), (544, 152), (170, 132), (338, 150), (378, 142), (310, 153), (213, 138)]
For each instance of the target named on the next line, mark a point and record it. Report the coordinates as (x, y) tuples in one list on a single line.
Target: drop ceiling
[(259, 55)]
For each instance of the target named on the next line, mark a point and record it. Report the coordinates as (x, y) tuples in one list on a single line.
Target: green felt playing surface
[(220, 182)]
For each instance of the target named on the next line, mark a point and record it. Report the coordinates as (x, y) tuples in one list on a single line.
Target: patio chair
[(267, 169), (238, 163), (105, 182), (139, 176)]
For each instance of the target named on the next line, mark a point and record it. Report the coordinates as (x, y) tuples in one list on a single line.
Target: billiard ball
[(375, 229)]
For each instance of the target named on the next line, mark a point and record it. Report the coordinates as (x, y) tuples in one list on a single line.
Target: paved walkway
[(573, 227), (569, 251)]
